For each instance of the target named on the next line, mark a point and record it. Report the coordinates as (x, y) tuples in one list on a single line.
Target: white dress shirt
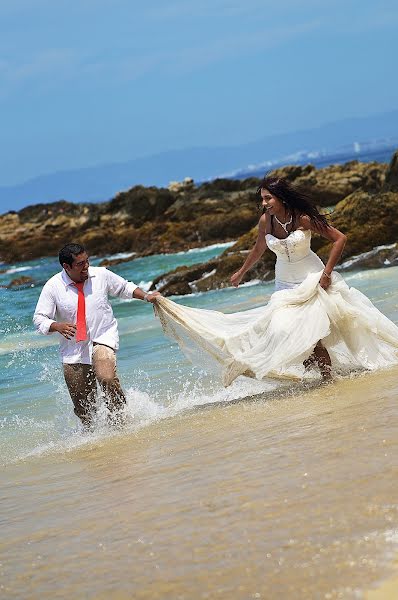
[(58, 302)]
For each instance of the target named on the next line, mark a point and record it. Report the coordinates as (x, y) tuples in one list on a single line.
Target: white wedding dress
[(274, 340)]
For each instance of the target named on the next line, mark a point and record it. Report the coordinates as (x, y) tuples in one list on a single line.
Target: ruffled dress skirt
[(274, 340)]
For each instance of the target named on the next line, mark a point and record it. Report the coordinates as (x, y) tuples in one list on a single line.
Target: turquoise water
[(36, 412)]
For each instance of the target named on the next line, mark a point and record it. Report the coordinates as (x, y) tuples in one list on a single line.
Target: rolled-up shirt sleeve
[(45, 311), (117, 286)]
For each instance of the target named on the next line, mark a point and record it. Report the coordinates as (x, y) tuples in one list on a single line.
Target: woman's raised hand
[(325, 281), (236, 278)]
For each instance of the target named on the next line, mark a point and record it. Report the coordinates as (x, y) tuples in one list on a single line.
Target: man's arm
[(147, 296), (44, 314), (45, 311), (118, 286)]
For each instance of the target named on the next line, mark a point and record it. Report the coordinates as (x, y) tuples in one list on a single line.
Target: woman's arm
[(254, 255), (338, 240)]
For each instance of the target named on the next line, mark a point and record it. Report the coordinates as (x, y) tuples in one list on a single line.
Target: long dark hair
[(297, 202)]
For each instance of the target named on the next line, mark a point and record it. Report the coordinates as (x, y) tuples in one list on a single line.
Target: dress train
[(274, 340)]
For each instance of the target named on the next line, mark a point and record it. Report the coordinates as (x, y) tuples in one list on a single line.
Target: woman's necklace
[(284, 225)]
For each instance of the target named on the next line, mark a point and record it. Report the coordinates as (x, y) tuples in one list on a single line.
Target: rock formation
[(148, 220), (391, 178), (21, 282), (368, 216), (330, 185), (380, 256), (362, 200)]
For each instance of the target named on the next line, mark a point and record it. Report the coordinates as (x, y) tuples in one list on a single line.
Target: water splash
[(26, 437)]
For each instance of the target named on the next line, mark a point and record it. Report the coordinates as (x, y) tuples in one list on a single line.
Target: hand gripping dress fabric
[(273, 340)]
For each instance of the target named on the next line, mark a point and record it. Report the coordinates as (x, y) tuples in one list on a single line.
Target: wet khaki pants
[(82, 384)]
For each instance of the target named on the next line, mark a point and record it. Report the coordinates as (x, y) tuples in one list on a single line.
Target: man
[(75, 304)]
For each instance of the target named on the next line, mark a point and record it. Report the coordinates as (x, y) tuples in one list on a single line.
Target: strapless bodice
[(295, 247), (294, 258)]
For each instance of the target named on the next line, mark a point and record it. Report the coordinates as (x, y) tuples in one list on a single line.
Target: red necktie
[(81, 331)]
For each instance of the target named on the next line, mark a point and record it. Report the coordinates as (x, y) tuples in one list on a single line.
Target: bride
[(312, 319)]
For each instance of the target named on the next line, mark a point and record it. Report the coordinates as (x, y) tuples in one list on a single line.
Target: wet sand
[(292, 497), (388, 590)]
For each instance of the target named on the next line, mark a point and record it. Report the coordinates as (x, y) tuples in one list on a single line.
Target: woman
[(285, 211), (312, 319)]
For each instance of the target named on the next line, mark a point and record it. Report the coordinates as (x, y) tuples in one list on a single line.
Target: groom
[(75, 304)]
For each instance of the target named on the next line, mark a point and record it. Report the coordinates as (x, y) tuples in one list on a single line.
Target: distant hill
[(99, 183)]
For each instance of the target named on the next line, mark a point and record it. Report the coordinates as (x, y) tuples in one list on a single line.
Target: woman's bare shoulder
[(304, 222), (263, 219), (264, 223)]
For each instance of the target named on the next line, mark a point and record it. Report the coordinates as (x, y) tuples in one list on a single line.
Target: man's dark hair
[(68, 253)]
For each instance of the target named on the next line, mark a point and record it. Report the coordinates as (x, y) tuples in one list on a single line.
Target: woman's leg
[(321, 357)]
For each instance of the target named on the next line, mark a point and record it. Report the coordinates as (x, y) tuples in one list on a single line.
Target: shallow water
[(260, 490), (279, 497)]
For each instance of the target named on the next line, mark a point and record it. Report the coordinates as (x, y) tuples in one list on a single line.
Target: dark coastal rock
[(123, 225), (214, 274), (367, 219), (157, 220), (23, 281), (110, 262), (140, 204), (56, 214), (391, 181), (181, 281), (326, 187), (379, 257)]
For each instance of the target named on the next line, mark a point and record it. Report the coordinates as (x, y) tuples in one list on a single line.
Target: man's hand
[(236, 278), (152, 296), (68, 330)]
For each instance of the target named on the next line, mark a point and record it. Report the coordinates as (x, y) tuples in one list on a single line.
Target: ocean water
[(261, 490)]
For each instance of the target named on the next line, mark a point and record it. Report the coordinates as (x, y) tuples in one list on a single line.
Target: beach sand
[(387, 590), (289, 496)]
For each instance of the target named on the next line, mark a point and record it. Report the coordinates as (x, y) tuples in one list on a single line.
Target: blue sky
[(85, 82)]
